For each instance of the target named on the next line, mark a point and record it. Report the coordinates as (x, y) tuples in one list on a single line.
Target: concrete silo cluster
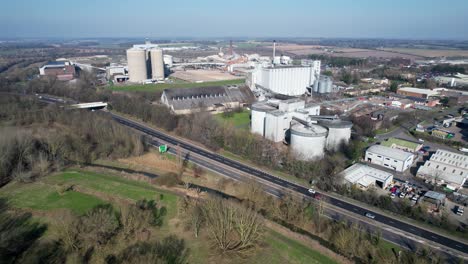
[(293, 121), (323, 85), (145, 62)]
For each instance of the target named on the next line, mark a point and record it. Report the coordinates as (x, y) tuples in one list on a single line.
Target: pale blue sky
[(441, 19)]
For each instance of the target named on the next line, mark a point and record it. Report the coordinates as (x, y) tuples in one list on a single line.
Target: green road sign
[(162, 148)]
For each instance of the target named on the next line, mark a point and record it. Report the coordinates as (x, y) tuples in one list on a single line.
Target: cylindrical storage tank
[(322, 86), (339, 132), (136, 60), (157, 64), (258, 115), (328, 88), (316, 85), (308, 142)]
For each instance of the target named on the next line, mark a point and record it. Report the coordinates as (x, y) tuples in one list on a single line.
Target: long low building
[(211, 99), (365, 176), (445, 167), (417, 92), (390, 158)]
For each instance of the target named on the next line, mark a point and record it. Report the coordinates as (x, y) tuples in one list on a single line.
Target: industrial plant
[(145, 62), (300, 125)]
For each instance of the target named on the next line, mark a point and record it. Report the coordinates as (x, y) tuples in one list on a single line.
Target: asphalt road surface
[(396, 224)]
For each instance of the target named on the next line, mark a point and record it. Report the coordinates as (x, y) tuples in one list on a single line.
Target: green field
[(238, 120), (46, 194), (286, 250), (161, 86), (43, 197)]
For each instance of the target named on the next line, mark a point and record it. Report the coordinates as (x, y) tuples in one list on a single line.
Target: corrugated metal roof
[(194, 98)]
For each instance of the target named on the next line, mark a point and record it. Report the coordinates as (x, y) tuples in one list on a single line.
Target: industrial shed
[(365, 176), (211, 99)]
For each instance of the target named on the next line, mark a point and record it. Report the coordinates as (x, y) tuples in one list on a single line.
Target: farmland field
[(430, 52)]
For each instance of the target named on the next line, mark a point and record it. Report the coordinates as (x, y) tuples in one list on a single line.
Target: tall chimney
[(274, 49)]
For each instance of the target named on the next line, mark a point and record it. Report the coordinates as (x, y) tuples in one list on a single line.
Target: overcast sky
[(415, 19)]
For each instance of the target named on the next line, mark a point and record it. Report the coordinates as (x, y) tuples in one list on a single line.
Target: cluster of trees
[(448, 68), (338, 61), (37, 140), (102, 235), (231, 227)]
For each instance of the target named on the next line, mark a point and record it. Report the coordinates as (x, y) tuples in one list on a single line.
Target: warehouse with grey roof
[(211, 99)]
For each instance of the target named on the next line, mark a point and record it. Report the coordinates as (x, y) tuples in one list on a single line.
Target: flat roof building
[(446, 167), (365, 176), (402, 144), (434, 198), (417, 92), (390, 158)]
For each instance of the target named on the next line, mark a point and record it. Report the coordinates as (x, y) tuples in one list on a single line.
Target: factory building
[(285, 80), (390, 158), (417, 92), (114, 70), (145, 62), (63, 70), (300, 124), (210, 99), (446, 167), (365, 176)]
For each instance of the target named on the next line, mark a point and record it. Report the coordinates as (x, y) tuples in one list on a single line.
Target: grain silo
[(316, 85), (339, 132), (137, 66), (325, 85), (258, 113), (157, 64), (308, 141)]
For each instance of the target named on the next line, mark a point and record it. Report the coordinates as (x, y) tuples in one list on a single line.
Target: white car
[(369, 215), (312, 191), (392, 195)]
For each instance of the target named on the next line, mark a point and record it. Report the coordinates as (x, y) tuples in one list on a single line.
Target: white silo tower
[(137, 66), (308, 141), (339, 132), (258, 115), (157, 64)]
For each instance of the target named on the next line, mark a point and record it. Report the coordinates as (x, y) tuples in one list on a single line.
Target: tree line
[(102, 235), (37, 140)]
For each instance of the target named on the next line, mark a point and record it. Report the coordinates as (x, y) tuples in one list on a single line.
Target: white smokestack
[(274, 49)]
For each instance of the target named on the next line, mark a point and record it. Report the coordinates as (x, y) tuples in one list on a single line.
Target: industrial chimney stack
[(274, 49)]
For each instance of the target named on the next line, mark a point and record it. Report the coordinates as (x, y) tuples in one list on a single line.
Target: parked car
[(459, 210), (402, 195), (312, 191), (421, 140), (392, 195)]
